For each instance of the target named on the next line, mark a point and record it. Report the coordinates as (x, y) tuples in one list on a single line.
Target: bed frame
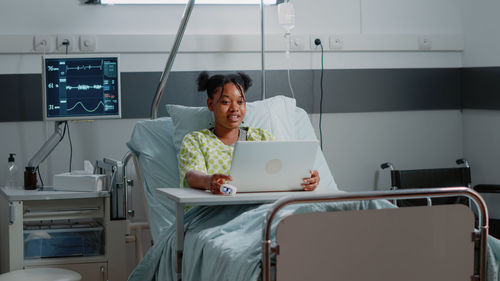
[(413, 243)]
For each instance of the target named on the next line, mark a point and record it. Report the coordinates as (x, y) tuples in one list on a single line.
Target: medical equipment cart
[(61, 229)]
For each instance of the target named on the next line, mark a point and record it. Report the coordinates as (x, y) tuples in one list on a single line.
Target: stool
[(41, 274)]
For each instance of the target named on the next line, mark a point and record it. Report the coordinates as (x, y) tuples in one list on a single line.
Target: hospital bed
[(228, 243)]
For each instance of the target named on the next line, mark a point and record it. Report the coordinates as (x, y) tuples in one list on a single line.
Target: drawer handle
[(103, 272), (49, 211)]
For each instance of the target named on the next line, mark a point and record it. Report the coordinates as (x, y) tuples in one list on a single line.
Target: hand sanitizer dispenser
[(12, 173)]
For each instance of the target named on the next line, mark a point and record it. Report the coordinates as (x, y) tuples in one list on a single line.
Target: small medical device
[(80, 180), (81, 87), (228, 189)]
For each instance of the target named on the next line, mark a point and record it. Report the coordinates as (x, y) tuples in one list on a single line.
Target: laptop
[(272, 165)]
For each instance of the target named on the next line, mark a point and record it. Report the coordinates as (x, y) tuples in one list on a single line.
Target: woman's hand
[(215, 181), (203, 181), (310, 184)]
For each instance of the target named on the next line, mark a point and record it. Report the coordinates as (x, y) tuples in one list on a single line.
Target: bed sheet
[(224, 242)]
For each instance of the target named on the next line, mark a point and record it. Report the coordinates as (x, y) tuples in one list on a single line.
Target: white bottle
[(12, 173)]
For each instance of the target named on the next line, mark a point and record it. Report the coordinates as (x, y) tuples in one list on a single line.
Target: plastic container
[(286, 16), (70, 242), (12, 173)]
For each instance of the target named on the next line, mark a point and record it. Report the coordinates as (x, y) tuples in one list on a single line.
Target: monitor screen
[(81, 87)]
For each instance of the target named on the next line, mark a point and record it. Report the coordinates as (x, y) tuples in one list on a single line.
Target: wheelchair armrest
[(487, 188), (386, 165)]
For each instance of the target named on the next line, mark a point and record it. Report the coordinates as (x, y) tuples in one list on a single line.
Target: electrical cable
[(318, 42), (70, 147), (40, 176), (66, 44)]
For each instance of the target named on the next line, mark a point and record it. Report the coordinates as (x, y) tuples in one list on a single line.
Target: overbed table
[(194, 197)]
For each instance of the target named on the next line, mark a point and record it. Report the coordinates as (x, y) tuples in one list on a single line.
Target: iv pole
[(180, 33), (168, 67)]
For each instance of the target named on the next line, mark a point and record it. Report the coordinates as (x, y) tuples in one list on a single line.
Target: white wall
[(481, 145), (481, 130), (481, 37), (365, 19), (136, 32), (378, 34), (355, 144)]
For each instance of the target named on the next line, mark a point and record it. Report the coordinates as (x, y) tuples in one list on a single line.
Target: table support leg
[(180, 238)]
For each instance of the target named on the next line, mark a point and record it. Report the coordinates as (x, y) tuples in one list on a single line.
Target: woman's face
[(229, 107)]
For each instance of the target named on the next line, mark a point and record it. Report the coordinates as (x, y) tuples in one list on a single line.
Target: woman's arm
[(203, 181)]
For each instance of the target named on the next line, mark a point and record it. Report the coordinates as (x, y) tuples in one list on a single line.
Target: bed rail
[(481, 231)]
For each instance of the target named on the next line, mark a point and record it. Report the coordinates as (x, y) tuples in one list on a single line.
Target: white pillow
[(276, 115)]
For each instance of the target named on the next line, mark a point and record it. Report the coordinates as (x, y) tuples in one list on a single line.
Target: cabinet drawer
[(89, 271), (63, 209), (50, 243)]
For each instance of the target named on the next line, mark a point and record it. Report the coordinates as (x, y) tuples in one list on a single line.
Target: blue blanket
[(224, 243)]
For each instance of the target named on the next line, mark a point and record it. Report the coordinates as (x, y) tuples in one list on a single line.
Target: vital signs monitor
[(81, 87)]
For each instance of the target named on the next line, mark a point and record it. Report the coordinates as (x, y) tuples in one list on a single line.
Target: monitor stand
[(41, 155)]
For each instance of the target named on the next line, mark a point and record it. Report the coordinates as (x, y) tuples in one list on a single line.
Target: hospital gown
[(203, 151)]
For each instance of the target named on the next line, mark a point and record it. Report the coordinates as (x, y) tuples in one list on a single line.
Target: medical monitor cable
[(40, 176), (70, 145), (318, 42), (66, 44)]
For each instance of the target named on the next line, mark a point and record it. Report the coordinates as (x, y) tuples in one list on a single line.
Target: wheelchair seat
[(430, 178)]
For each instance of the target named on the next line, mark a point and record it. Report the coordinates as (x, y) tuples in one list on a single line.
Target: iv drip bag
[(286, 16)]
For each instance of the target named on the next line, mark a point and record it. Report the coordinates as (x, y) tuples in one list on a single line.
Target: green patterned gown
[(203, 151)]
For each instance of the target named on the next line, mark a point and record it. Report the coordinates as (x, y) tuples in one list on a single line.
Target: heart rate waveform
[(86, 109), (84, 87), (85, 67)]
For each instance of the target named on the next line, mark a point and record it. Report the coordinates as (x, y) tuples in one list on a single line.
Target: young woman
[(205, 155)]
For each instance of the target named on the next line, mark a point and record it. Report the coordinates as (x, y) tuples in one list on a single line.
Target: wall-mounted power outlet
[(297, 43), (424, 43), (336, 42), (87, 43), (65, 43), (43, 43), (322, 37)]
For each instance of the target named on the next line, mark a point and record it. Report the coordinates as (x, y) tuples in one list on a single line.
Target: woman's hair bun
[(202, 81), (247, 81)]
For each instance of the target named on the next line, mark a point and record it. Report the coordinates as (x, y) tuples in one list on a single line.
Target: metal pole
[(262, 54), (171, 58)]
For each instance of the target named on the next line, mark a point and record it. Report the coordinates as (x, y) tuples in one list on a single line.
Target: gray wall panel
[(481, 88), (370, 90), (391, 90), (346, 90), (21, 97)]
